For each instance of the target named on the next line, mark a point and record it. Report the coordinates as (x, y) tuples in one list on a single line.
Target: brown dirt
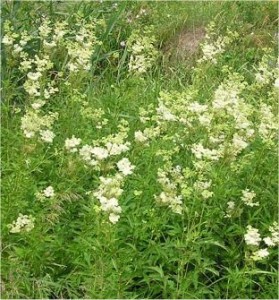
[(185, 44)]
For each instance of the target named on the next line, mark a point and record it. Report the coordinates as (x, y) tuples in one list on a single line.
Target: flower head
[(252, 236), (125, 166)]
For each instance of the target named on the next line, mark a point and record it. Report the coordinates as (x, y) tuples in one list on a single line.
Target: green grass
[(73, 251)]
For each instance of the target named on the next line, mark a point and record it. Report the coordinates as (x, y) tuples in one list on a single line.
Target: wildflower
[(23, 223), (72, 143), (100, 153), (143, 52), (238, 143), (137, 193), (197, 108), (34, 76), (170, 199), (122, 43), (8, 40), (200, 152), (113, 218), (108, 193), (269, 241), (32, 122), (125, 166), (47, 136), (252, 236), (230, 209), (17, 48), (85, 152), (260, 254), (38, 104), (116, 149), (248, 196), (207, 194), (140, 137), (272, 240), (165, 113), (49, 192), (170, 179)]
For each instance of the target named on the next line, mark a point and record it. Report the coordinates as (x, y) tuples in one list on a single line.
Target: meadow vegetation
[(132, 167)]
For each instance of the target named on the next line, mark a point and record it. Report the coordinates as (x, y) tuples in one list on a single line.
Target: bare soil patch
[(185, 44)]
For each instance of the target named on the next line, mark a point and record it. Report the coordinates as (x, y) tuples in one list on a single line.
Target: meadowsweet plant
[(215, 44), (22, 223), (143, 52), (108, 193), (131, 174)]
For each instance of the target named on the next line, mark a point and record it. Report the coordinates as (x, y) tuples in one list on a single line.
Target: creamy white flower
[(252, 236), (238, 143), (272, 240), (100, 153), (47, 136), (197, 108), (125, 166), (25, 65), (49, 45), (85, 152), (230, 209), (140, 137), (7, 40), (206, 194), (34, 75), (268, 241), (17, 48), (248, 196), (49, 192), (205, 119), (165, 113), (38, 104), (23, 223), (116, 149), (72, 143), (113, 218), (260, 254), (200, 152)]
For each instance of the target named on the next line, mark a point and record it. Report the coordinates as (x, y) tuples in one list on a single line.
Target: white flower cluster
[(230, 209), (48, 192), (252, 236), (79, 42), (215, 44), (164, 113), (272, 240), (23, 223), (248, 196), (81, 48), (125, 166), (72, 143), (143, 52), (203, 188), (108, 194), (33, 122), (265, 72), (111, 145), (268, 124), (15, 41), (37, 89), (203, 153), (110, 190), (253, 239), (94, 114), (170, 180)]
